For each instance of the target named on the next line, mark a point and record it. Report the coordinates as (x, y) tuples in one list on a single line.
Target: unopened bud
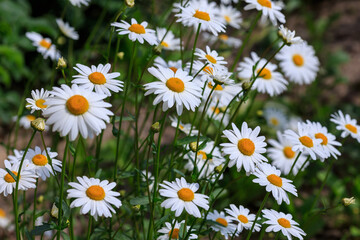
[(121, 55), (259, 113), (246, 85), (157, 49), (130, 3), (54, 211), (38, 124), (193, 146), (348, 201), (122, 192), (155, 127), (136, 208), (61, 40), (61, 64), (219, 169), (40, 199)]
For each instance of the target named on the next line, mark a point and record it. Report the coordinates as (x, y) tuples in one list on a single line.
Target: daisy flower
[(149, 178), (73, 110), (98, 79), (282, 155), (243, 218), (40, 163), (268, 8), (174, 89), (204, 12), (210, 56), (67, 30), (279, 221), (44, 46), (288, 36), (78, 3), (299, 63), (175, 232), (229, 1), (222, 93), (37, 101), (224, 38), (16, 157), (173, 65), (292, 122), (25, 121), (170, 42), (94, 196), (245, 148), (184, 127), (346, 124), (4, 220), (230, 16), (7, 182), (136, 31), (269, 80), (224, 226), (217, 113), (275, 117), (269, 177), (182, 195)]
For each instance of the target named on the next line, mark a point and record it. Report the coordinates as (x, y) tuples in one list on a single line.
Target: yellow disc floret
[(275, 180), (186, 194), (246, 146), (284, 222), (202, 15), (298, 60), (306, 141), (265, 3), (222, 221), (77, 105), (323, 137), (40, 103), (9, 179), (288, 152), (97, 78), (175, 84), (137, 28), (265, 73), (95, 192), (175, 233), (40, 160), (243, 219)]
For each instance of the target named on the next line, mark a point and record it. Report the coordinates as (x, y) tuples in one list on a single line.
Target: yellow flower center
[(95, 192), (243, 219), (175, 233), (306, 141), (227, 18), (164, 44), (40, 160), (174, 69), (45, 44), (137, 28), (275, 180), (186, 194), (202, 15), (298, 60), (215, 110), (203, 155), (9, 179), (274, 121), (40, 103), (351, 128), (208, 70), (217, 88), (288, 152), (210, 58), (284, 222), (246, 146), (222, 221), (265, 3), (224, 37), (323, 137), (77, 105), (97, 78), (2, 213), (181, 126), (30, 117), (265, 73), (175, 84)]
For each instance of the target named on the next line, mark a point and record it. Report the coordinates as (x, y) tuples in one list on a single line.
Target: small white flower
[(78, 3), (217, 112), (67, 30), (242, 217), (173, 65), (4, 220), (170, 42), (224, 226), (37, 100), (184, 127), (211, 56), (268, 8), (346, 124), (224, 38), (44, 46), (25, 121), (174, 231), (230, 16), (275, 117), (289, 36)]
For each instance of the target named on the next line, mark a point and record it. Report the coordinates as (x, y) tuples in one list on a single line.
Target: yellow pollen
[(137, 28), (40, 160), (243, 219), (97, 78), (2, 213), (202, 15), (186, 194), (210, 58), (77, 105), (164, 44), (174, 69), (265, 73), (181, 126), (203, 155), (264, 3), (323, 137), (288, 152), (215, 110), (224, 37), (95, 192), (306, 141), (284, 222), (222, 222), (246, 146), (175, 84), (227, 18), (175, 233), (217, 88), (208, 69), (45, 44), (351, 128), (8, 178), (40, 103), (298, 60), (275, 180), (30, 117), (274, 121)]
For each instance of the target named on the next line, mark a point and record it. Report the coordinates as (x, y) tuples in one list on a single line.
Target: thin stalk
[(302, 166), (193, 51), (35, 201), (89, 228), (293, 165)]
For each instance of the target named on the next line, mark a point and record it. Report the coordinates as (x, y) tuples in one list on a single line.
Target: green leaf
[(179, 172), (139, 201), (11, 174), (38, 230), (161, 221), (5, 77), (65, 235)]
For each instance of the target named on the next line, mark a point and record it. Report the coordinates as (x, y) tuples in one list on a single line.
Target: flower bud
[(61, 40), (157, 49), (40, 199), (54, 211), (136, 208), (193, 146), (219, 168), (246, 85), (121, 55), (61, 64), (348, 201), (38, 124), (130, 3), (155, 127)]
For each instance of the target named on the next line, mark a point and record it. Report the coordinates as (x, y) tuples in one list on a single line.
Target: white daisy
[(288, 36), (98, 79), (184, 127), (25, 121), (44, 46), (268, 8), (275, 117), (136, 31), (4, 220), (78, 3), (174, 231), (173, 65), (230, 16), (346, 124), (242, 217), (210, 56), (217, 113), (279, 221), (94, 196), (292, 122), (37, 101), (76, 110), (299, 63), (150, 179), (245, 147), (222, 93), (229, 1), (67, 30), (269, 177), (174, 89), (16, 157), (170, 42), (206, 71), (224, 38), (224, 226), (182, 195)]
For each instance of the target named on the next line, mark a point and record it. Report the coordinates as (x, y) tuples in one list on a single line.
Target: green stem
[(293, 165), (89, 228), (35, 200), (194, 47)]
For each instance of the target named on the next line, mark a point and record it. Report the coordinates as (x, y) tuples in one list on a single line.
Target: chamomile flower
[(299, 63), (229, 1), (168, 230), (230, 16), (346, 124), (136, 31), (44, 46), (4, 220), (224, 226), (242, 217), (210, 56), (182, 195), (224, 38), (39, 161), (288, 36), (245, 148), (173, 65), (269, 177), (98, 79), (25, 121), (283, 157), (67, 30), (292, 122), (279, 221), (78, 3), (148, 177), (184, 127), (204, 12), (217, 113), (16, 157), (94, 196), (275, 117), (37, 101), (268, 8), (269, 80), (170, 42), (174, 89), (73, 110), (7, 182), (222, 93)]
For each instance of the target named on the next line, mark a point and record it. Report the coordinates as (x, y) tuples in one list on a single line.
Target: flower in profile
[(98, 79), (242, 217), (73, 110), (230, 16), (170, 42), (288, 36), (346, 124), (174, 89), (182, 195), (147, 177), (173, 65), (184, 127), (269, 9), (94, 196), (275, 117), (4, 220), (245, 148), (210, 56), (25, 121), (224, 226), (67, 30), (224, 38), (44, 46), (37, 101), (217, 112), (16, 157), (299, 63), (222, 93), (136, 31), (279, 221), (78, 3), (174, 232)]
